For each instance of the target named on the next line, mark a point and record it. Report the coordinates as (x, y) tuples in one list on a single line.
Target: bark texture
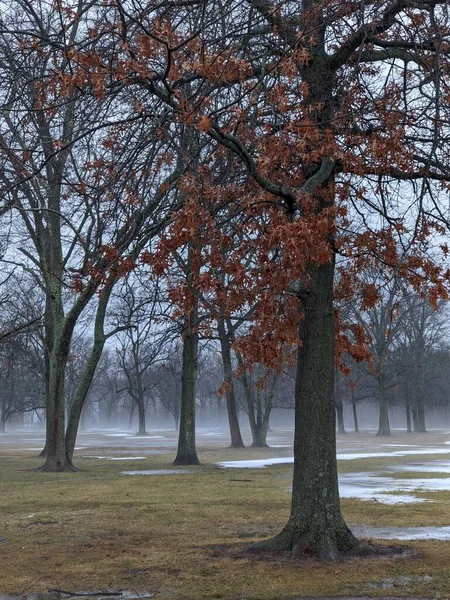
[(233, 421), (315, 524), (383, 422), (186, 451)]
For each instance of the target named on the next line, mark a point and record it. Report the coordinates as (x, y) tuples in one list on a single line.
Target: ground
[(181, 535)]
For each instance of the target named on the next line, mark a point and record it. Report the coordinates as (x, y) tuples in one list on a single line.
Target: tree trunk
[(420, 402), (235, 431), (383, 425), (355, 413), (2, 425), (176, 419), (187, 452), (80, 397), (55, 443), (408, 412), (141, 411), (415, 420), (315, 524), (340, 417), (259, 436), (131, 415)]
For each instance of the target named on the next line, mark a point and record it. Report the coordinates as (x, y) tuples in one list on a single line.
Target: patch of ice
[(266, 462), (431, 467), (256, 464), (403, 533), (368, 486), (425, 451)]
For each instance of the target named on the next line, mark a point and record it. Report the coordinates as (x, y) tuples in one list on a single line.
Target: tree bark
[(225, 345), (408, 412), (186, 451), (420, 402), (383, 424), (340, 415), (86, 380), (315, 524)]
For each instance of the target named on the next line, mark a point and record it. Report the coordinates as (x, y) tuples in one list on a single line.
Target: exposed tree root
[(56, 467), (326, 545)]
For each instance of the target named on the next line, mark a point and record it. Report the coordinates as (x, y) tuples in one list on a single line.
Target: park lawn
[(180, 535)]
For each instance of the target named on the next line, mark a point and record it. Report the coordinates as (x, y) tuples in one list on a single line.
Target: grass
[(174, 535)]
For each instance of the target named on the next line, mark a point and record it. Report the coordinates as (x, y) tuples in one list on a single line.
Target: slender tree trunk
[(420, 402), (339, 404), (2, 425), (315, 524), (415, 420), (187, 452), (408, 413), (355, 413), (383, 425), (176, 420), (79, 399), (340, 416), (235, 431)]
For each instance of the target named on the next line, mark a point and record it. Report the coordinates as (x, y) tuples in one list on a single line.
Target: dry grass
[(98, 529)]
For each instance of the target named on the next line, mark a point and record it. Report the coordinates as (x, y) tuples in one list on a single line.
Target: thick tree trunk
[(141, 412), (187, 452), (235, 431), (55, 443), (259, 436), (315, 524), (2, 425), (383, 424), (60, 330)]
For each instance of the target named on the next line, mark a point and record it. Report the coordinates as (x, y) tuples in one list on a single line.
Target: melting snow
[(156, 472), (403, 533)]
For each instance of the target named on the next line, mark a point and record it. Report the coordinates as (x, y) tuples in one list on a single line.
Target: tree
[(337, 117), (80, 200), (142, 342), (422, 332)]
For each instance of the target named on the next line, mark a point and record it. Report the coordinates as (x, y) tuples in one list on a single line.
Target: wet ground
[(422, 468)]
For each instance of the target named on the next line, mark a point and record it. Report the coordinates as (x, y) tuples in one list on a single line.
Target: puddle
[(256, 464), (425, 451), (157, 472), (431, 467), (372, 487), (403, 533), (267, 462)]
